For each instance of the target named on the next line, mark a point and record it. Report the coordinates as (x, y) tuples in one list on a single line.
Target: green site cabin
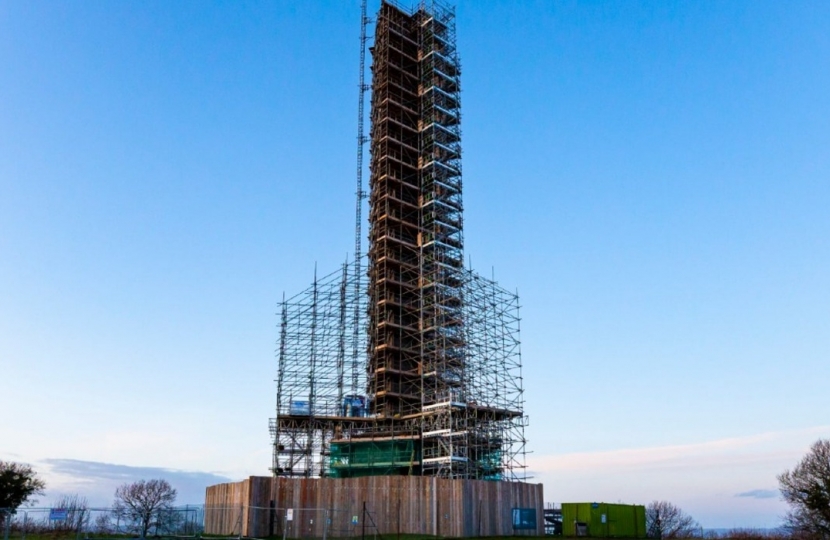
[(604, 520)]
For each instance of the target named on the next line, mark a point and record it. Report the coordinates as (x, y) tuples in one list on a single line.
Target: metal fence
[(186, 522), (363, 521), (87, 522), (360, 521), (317, 523)]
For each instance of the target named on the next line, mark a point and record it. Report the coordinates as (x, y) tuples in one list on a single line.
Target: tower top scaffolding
[(434, 384)]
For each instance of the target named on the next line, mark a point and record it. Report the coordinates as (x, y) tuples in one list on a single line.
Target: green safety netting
[(370, 458)]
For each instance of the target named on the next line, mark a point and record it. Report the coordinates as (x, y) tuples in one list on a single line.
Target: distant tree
[(806, 489), (103, 524), (665, 520), (754, 534), (171, 521), (77, 513), (144, 504), (18, 484)]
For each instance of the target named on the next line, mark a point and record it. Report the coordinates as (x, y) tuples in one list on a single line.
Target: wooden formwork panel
[(257, 507)]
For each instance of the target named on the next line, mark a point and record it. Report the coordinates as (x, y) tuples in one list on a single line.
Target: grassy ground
[(68, 535)]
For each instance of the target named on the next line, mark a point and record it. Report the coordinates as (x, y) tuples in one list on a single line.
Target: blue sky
[(653, 177)]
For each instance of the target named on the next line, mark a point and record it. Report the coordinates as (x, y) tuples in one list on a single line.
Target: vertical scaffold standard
[(437, 389)]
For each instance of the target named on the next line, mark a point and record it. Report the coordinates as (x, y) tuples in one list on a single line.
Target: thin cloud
[(111, 471), (98, 481), (759, 494), (758, 449)]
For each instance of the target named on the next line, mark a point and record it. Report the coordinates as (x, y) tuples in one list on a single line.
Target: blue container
[(354, 405), (300, 408)]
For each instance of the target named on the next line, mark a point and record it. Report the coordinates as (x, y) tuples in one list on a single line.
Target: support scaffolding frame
[(325, 427), (413, 368)]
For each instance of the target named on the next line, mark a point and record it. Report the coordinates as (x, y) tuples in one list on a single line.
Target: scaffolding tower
[(415, 367)]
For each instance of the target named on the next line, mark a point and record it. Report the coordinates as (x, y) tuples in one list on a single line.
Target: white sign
[(289, 514), (603, 518)]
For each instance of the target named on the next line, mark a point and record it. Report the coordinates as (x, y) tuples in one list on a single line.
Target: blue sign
[(524, 518), (57, 514), (354, 520), (300, 408)]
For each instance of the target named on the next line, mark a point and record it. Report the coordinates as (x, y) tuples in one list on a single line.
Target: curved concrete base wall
[(334, 508)]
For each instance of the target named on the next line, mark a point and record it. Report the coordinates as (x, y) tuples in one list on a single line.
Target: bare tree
[(103, 524), (18, 484), (144, 504), (665, 520), (806, 489), (77, 513)]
